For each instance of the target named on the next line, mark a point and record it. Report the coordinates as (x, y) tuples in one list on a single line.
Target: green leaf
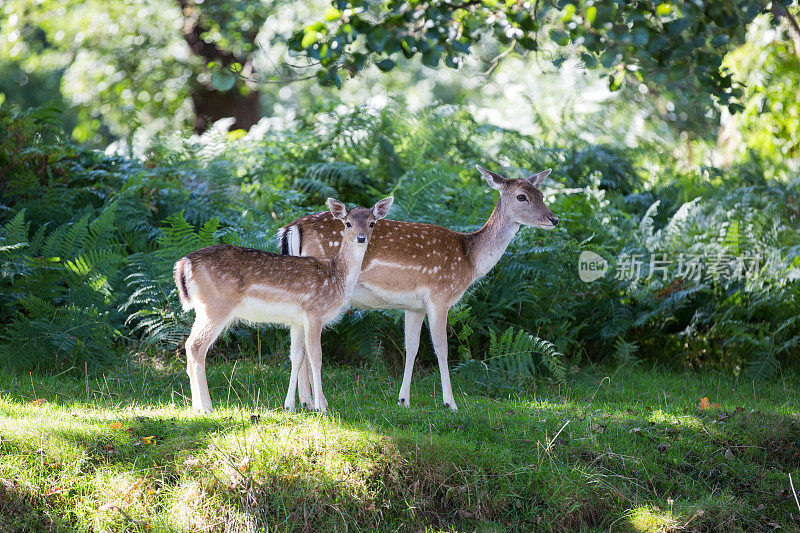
[(528, 43), (589, 60), (719, 40), (222, 80), (309, 39), (569, 12), (640, 36), (591, 15), (385, 65), (663, 10), (559, 37), (376, 39), (676, 27), (616, 81), (609, 58), (431, 58), (332, 14)]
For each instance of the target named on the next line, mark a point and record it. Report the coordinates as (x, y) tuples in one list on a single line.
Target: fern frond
[(511, 358)]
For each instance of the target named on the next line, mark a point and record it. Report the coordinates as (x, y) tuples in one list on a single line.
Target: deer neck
[(486, 246), (347, 263)]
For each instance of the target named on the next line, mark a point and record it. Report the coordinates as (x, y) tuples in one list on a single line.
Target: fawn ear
[(381, 209), (338, 209), (537, 179), (495, 181)]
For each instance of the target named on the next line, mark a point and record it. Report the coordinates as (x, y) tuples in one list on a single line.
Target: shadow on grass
[(22, 511)]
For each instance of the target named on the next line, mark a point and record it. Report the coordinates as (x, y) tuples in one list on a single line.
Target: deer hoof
[(403, 402)]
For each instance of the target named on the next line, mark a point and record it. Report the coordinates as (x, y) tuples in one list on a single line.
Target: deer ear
[(495, 181), (338, 209), (381, 209), (537, 179)]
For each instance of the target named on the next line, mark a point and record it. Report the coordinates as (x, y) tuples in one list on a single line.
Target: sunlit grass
[(625, 450), (652, 519)]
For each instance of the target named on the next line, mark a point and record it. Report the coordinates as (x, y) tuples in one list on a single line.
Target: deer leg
[(296, 354), (437, 322), (314, 352), (413, 326), (304, 380), (204, 333)]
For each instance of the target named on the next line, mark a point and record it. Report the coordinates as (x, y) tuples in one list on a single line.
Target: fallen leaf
[(149, 440), (135, 485), (54, 490), (706, 405), (37, 401), (729, 455), (243, 464), (116, 425)]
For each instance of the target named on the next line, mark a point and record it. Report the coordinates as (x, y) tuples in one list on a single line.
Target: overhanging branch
[(780, 12)]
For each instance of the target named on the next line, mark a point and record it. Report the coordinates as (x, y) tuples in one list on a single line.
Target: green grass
[(620, 450)]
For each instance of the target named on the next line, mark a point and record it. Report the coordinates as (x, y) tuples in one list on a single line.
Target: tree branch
[(193, 31), (781, 12)]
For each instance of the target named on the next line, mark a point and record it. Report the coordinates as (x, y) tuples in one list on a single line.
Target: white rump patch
[(293, 238)]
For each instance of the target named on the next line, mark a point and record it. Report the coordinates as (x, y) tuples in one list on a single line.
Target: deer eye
[(371, 224), (522, 198), (349, 225)]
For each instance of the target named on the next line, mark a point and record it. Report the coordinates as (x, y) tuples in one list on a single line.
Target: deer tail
[(183, 275)]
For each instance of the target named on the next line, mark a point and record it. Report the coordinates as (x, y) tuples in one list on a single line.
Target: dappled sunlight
[(653, 520), (600, 226), (253, 464)]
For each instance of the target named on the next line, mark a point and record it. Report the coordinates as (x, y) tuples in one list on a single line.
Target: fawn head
[(359, 221), (521, 199)]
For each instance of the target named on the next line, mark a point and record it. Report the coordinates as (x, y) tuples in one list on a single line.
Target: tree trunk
[(240, 102), (211, 105)]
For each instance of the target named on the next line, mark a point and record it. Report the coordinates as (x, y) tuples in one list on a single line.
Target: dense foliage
[(128, 69), (87, 243), (682, 42)]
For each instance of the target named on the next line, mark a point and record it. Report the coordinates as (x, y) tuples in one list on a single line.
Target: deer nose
[(554, 220), (361, 238)]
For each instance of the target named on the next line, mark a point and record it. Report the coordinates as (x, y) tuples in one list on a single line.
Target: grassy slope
[(629, 452)]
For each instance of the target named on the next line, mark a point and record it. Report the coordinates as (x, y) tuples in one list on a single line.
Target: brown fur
[(424, 268), (225, 283)]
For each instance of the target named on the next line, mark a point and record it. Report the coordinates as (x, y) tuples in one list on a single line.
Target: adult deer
[(423, 268), (226, 283)]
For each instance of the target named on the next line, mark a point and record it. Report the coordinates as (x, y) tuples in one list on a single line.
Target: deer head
[(521, 199), (359, 221)]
